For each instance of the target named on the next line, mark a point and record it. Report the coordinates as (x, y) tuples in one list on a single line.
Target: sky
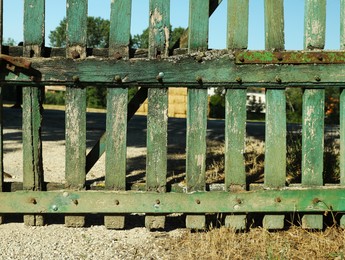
[(294, 20)]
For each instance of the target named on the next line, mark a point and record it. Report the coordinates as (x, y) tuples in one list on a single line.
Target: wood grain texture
[(314, 24), (238, 17), (235, 132), (120, 25), (198, 25)]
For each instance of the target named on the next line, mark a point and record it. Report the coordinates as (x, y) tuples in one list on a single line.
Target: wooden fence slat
[(76, 105), (235, 105), (313, 109), (197, 110), (238, 12), (342, 108), (117, 99), (157, 117), (275, 141), (32, 105)]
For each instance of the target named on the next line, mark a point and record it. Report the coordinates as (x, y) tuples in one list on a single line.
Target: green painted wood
[(198, 25), (313, 109), (181, 71), (34, 12), (34, 22), (275, 140), (197, 110), (274, 24), (196, 139), (314, 24), (313, 200), (342, 137), (75, 137), (116, 149), (157, 126), (120, 25), (32, 107), (157, 117), (76, 11), (235, 132), (159, 28), (238, 14)]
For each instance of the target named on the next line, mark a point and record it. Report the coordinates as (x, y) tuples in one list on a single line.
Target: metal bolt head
[(158, 202), (75, 54), (75, 202), (197, 201), (278, 199), (55, 208), (199, 79), (75, 78), (161, 75), (33, 201), (239, 80), (117, 202), (317, 78), (241, 59), (118, 79), (278, 79)]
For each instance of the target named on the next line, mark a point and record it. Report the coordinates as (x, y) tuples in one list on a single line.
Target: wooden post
[(275, 141), (117, 99), (313, 109), (157, 118), (1, 114), (76, 105), (32, 105), (235, 116), (197, 110)]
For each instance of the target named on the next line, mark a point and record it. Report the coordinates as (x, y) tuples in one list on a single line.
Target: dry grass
[(224, 243)]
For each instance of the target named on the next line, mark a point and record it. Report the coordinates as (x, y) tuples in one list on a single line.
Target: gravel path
[(96, 242)]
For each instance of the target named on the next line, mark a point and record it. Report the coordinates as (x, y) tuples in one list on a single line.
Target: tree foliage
[(97, 33)]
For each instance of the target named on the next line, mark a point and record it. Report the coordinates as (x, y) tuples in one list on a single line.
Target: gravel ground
[(96, 242)]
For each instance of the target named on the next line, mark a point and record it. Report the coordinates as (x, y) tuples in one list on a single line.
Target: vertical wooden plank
[(197, 110), (238, 11), (313, 109), (32, 105), (120, 26), (342, 108), (235, 107), (275, 141), (76, 105), (117, 99), (157, 117)]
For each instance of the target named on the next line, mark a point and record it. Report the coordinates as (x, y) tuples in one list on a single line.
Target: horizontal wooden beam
[(287, 200), (200, 70)]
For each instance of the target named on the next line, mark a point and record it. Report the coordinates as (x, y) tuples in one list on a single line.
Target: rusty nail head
[(197, 201), (239, 201), (158, 202), (278, 79), (75, 78), (241, 59), (239, 80), (278, 199), (118, 79), (118, 56), (117, 202), (279, 57), (33, 201), (198, 79), (319, 57), (75, 202), (75, 54), (316, 200), (317, 78)]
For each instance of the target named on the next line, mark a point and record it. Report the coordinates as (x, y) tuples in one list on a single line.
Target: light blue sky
[(294, 12)]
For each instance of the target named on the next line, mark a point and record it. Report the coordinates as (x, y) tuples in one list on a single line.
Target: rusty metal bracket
[(13, 62), (290, 57)]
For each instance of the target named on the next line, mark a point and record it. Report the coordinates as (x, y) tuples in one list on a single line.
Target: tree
[(10, 42), (142, 40), (97, 33)]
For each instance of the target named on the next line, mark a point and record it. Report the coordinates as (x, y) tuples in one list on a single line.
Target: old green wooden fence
[(274, 69)]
